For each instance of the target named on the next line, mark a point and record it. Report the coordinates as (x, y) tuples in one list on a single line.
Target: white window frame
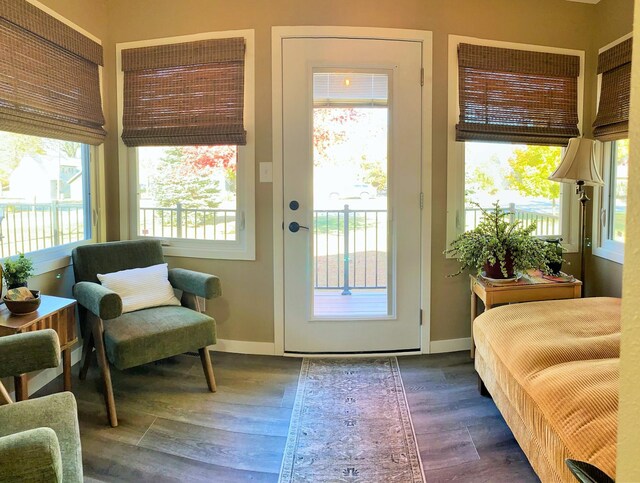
[(604, 247), (243, 248), (569, 215), (59, 257)]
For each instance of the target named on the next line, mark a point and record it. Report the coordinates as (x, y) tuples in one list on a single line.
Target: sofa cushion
[(141, 288), (148, 335), (556, 363)]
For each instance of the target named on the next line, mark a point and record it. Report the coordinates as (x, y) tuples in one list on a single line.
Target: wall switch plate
[(266, 172)]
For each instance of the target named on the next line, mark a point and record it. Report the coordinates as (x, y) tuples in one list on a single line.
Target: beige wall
[(628, 465), (570, 26), (245, 312), (604, 276)]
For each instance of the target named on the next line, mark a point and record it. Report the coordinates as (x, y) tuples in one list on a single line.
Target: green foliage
[(622, 151), (184, 179), (532, 167), (494, 236), (333, 222), (17, 270), (481, 181), (374, 174)]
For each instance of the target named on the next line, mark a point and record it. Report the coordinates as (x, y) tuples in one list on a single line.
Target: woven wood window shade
[(612, 120), (184, 94), (49, 77), (517, 96)]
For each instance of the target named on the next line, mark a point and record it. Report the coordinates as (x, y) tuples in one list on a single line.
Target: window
[(188, 192), (512, 108), (44, 193), (616, 191), (51, 117), (515, 175), (611, 126), (613, 202), (187, 121)]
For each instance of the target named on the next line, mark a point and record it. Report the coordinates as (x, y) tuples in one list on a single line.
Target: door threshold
[(401, 352)]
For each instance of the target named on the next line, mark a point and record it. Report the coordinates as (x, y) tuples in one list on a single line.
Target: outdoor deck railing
[(547, 225), (194, 223), (350, 248), (28, 227), (363, 266)]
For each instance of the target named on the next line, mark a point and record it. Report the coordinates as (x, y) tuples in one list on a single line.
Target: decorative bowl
[(20, 307)]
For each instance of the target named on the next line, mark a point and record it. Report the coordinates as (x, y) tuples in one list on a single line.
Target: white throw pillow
[(141, 288)]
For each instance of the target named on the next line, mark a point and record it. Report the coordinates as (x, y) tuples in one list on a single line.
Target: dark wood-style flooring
[(172, 430)]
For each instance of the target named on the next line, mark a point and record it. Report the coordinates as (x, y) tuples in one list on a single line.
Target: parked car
[(363, 191)]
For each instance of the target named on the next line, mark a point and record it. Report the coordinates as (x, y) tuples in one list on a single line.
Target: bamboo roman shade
[(517, 96), (49, 77), (184, 94), (612, 120)]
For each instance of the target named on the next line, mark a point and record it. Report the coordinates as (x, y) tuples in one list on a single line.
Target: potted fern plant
[(502, 248)]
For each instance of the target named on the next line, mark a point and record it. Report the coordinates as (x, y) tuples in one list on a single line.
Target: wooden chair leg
[(190, 301), (4, 395), (21, 385), (87, 354), (98, 331), (205, 358)]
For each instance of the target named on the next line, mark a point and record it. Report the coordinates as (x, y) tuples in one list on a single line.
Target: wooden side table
[(531, 287), (55, 313)]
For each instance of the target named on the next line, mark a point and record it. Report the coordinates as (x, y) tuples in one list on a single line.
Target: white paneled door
[(352, 147)]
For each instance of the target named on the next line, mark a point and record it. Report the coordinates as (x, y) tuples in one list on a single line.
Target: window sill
[(51, 259), (613, 255), (207, 250)]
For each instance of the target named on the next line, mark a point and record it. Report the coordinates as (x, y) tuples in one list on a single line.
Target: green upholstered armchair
[(147, 335), (39, 439)]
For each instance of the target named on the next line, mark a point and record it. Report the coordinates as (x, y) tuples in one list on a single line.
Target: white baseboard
[(450, 345), (44, 377), (244, 347), (350, 355)]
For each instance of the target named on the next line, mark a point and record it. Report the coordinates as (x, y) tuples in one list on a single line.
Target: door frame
[(277, 36)]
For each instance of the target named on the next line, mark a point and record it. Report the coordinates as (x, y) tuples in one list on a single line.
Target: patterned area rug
[(351, 423)]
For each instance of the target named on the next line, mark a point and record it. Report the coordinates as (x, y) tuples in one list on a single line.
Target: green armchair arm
[(57, 412), (196, 283), (32, 455), (31, 351), (99, 300)]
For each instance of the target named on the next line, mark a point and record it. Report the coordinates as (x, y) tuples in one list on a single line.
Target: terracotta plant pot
[(494, 271)]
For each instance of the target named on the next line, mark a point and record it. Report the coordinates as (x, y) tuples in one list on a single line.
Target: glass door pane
[(350, 183)]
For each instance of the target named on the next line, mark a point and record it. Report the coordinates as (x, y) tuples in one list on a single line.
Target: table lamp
[(578, 166)]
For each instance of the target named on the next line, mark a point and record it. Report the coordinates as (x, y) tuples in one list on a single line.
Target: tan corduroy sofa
[(552, 369)]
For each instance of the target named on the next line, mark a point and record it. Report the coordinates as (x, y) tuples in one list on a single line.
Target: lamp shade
[(578, 164)]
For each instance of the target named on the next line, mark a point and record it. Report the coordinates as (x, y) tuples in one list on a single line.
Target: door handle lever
[(294, 227)]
